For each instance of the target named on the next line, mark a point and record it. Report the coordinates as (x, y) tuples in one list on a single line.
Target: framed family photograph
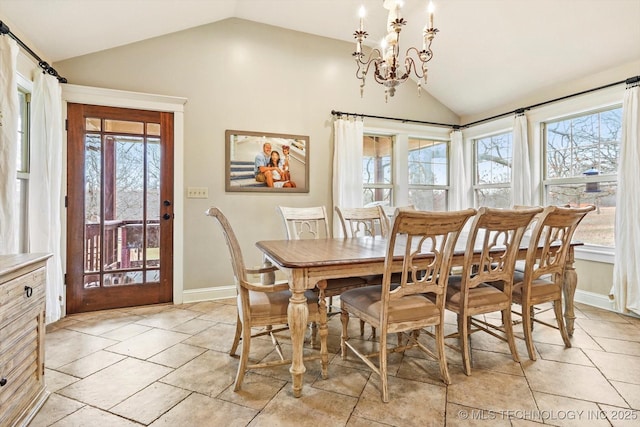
[(266, 162)]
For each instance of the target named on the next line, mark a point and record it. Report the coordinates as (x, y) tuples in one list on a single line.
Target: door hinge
[(66, 124), (66, 201)]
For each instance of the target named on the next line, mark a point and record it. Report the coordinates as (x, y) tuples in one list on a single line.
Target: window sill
[(595, 253)]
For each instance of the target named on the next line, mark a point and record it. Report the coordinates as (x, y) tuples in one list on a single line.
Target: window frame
[(401, 133), (598, 100), (432, 187), (375, 186), (25, 87)]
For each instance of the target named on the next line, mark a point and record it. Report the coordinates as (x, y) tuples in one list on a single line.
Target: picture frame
[(242, 149)]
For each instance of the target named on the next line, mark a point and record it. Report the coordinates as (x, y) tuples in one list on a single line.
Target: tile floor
[(168, 365)]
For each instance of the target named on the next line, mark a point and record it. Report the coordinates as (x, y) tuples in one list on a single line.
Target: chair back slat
[(360, 222), (305, 223), (497, 234), (426, 241), (553, 233)]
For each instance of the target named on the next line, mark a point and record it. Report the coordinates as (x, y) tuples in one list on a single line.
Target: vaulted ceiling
[(487, 53)]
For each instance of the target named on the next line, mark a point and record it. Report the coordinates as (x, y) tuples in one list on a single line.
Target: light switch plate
[(197, 192)]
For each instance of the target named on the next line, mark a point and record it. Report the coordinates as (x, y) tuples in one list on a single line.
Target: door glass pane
[(153, 202), (92, 124), (128, 184), (122, 126), (153, 129), (92, 202)]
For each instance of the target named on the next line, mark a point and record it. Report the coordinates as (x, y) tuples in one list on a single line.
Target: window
[(581, 158), (377, 173), (23, 169), (492, 179), (428, 171)]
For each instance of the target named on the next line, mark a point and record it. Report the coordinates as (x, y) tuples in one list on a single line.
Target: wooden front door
[(119, 207)]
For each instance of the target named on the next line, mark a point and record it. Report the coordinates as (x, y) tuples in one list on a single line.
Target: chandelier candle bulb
[(362, 13), (430, 9)]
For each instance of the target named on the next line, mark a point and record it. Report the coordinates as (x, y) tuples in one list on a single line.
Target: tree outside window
[(581, 158), (428, 174), (492, 179)]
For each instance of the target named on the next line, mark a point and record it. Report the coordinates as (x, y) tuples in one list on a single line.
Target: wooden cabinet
[(22, 327)]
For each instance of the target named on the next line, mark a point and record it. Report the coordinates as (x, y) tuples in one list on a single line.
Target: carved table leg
[(324, 329), (298, 315), (569, 289)]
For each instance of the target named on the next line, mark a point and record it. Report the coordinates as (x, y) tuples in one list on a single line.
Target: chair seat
[(540, 290), (409, 308), (483, 295), (336, 287), (267, 306)]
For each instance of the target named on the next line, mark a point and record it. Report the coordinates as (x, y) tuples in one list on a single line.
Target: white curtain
[(347, 165), (9, 114), (45, 184), (626, 269), (459, 187), (520, 167)]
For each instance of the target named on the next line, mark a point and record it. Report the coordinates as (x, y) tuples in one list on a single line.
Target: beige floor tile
[(256, 391), (612, 345), (218, 337), (618, 367), (566, 412), (490, 390), (559, 353), (363, 422), (90, 364), (178, 355), (208, 374), (199, 410), (116, 383), (412, 403), (464, 416), (221, 313), (150, 403), (89, 416), (315, 407), (55, 408), (193, 326), (574, 381), (168, 319), (629, 392), (620, 417), (102, 326), (55, 380), (64, 346), (125, 332), (148, 343), (599, 328), (343, 380)]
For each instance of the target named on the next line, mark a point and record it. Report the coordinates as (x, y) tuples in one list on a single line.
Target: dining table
[(309, 262)]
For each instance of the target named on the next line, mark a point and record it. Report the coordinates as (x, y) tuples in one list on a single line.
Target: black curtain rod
[(629, 81), (341, 113), (4, 29)]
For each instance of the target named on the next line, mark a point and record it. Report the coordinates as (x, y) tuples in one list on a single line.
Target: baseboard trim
[(594, 300), (208, 294)]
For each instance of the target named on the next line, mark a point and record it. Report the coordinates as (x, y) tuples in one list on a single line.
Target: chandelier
[(388, 70)]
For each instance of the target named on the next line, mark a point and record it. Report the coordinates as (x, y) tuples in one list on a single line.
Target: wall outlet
[(197, 192)]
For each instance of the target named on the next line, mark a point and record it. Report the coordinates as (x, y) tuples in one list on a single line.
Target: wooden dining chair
[(490, 256), (543, 275), (422, 243), (313, 223), (361, 222), (262, 306)]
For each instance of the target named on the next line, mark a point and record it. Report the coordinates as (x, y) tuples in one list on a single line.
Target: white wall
[(242, 75)]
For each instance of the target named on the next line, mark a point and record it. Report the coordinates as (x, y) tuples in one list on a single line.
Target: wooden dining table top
[(348, 251)]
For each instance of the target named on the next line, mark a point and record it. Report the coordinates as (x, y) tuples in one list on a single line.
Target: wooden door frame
[(134, 100)]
